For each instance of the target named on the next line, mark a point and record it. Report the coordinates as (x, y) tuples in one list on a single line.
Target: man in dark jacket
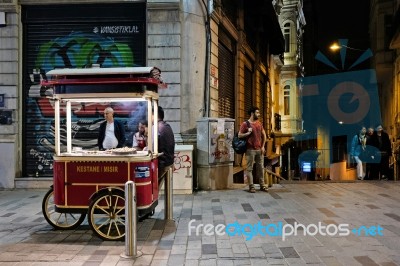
[(166, 145), (382, 143), (111, 132)]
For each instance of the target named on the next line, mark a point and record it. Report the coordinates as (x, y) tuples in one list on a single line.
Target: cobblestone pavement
[(27, 239)]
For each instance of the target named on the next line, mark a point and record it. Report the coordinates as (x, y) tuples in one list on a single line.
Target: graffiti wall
[(76, 36)]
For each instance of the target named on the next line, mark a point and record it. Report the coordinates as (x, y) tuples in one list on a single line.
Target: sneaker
[(252, 189), (264, 188)]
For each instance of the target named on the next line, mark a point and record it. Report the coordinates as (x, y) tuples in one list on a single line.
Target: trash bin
[(183, 170)]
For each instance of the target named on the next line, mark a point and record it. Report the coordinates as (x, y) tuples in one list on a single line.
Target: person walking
[(111, 132), (358, 149), (370, 150), (256, 139), (382, 142)]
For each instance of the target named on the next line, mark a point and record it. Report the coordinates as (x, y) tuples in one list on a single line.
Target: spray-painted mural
[(75, 46)]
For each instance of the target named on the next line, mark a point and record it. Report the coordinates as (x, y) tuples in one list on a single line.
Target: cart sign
[(95, 172)]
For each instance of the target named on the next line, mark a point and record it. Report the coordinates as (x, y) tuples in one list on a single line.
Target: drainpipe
[(209, 9)]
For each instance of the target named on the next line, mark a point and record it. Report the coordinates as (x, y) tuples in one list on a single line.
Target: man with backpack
[(254, 132)]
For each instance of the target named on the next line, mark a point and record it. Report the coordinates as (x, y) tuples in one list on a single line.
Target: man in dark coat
[(382, 143), (166, 145)]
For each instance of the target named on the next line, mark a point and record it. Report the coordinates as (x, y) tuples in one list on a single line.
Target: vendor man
[(166, 146), (111, 132)]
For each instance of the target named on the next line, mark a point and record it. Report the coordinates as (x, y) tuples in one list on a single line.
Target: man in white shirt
[(111, 132)]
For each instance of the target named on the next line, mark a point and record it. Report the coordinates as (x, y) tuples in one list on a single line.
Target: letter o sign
[(359, 93)]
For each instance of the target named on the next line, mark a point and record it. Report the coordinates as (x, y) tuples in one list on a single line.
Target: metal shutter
[(226, 89), (263, 101), (57, 36)]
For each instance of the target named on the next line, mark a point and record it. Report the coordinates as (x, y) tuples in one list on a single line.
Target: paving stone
[(289, 252), (165, 244), (263, 216), (191, 262), (225, 262), (162, 254), (155, 262), (178, 249), (365, 260), (143, 260), (176, 260), (393, 216), (331, 261), (209, 249), (193, 254), (25, 236)]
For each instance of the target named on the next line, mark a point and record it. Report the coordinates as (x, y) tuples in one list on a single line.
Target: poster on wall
[(76, 36)]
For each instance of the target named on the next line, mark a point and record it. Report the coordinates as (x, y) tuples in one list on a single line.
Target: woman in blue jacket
[(358, 148)]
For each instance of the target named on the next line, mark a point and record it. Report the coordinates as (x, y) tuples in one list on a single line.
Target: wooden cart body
[(89, 179)]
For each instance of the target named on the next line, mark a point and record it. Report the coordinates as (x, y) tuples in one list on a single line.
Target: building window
[(286, 100), (248, 89), (286, 34)]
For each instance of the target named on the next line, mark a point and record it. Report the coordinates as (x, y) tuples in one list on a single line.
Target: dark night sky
[(328, 21)]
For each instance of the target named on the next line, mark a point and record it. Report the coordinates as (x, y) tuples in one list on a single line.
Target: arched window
[(286, 100), (286, 34)]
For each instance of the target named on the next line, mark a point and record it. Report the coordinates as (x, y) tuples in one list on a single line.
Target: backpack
[(239, 145)]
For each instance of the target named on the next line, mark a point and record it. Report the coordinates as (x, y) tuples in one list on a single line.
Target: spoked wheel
[(63, 221), (107, 215)]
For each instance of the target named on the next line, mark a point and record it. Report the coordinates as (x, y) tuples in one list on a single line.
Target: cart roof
[(100, 71), (102, 80)]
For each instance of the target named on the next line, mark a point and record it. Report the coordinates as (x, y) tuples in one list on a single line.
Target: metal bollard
[(168, 189), (130, 222)]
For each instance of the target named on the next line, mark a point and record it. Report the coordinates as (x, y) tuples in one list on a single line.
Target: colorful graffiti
[(79, 50), (75, 50)]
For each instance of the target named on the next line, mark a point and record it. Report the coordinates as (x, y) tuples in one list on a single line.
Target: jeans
[(361, 168), (255, 157)]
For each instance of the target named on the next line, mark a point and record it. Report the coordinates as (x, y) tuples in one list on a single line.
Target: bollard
[(130, 222), (168, 189)]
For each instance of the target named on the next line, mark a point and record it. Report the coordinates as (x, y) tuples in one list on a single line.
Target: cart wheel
[(107, 215), (63, 221)]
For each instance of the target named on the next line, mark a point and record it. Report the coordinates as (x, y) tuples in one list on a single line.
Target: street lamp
[(342, 43), (336, 46)]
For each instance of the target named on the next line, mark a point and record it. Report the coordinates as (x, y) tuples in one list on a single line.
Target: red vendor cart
[(87, 180)]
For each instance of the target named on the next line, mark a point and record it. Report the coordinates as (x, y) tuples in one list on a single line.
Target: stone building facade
[(216, 56)]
